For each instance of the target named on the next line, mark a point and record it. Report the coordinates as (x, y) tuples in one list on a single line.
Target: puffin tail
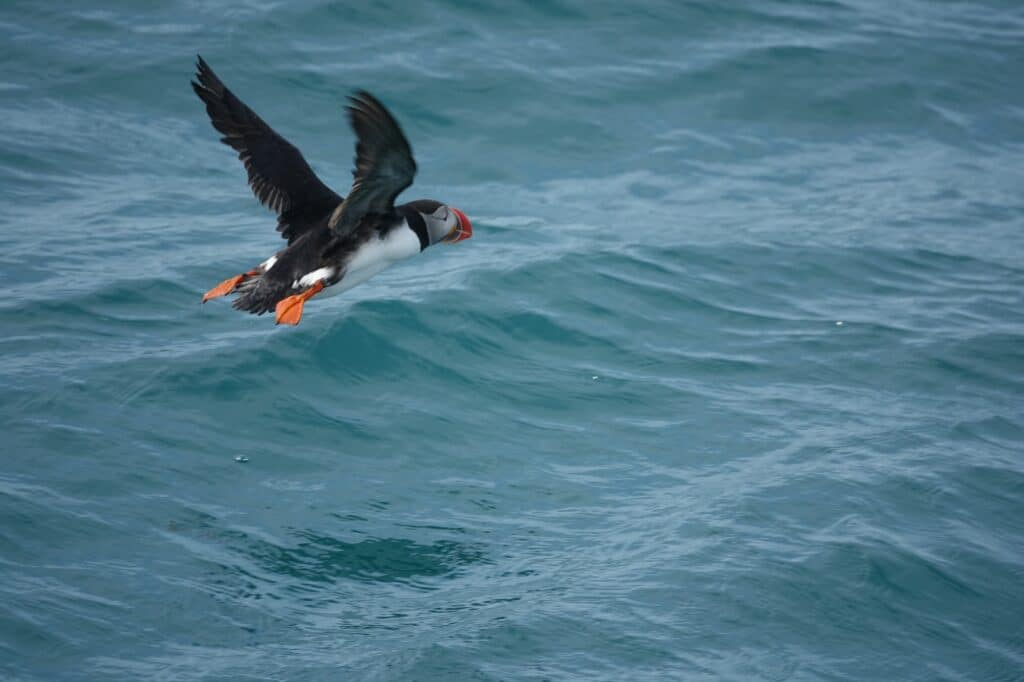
[(259, 295)]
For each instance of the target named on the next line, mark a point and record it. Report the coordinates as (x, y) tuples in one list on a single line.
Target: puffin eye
[(442, 214)]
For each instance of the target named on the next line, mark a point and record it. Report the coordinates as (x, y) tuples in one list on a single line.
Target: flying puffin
[(334, 242)]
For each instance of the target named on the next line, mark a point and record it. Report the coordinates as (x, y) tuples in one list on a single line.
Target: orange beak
[(464, 230)]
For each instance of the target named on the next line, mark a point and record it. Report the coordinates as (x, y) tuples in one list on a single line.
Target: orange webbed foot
[(289, 310), (228, 285), (224, 288)]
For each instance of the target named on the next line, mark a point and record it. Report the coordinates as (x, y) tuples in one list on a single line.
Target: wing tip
[(360, 95), (361, 101), (368, 115), (206, 76)]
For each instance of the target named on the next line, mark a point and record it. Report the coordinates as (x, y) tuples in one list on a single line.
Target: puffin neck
[(416, 223)]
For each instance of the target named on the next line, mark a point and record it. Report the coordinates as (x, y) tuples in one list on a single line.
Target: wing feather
[(278, 174), (384, 165)]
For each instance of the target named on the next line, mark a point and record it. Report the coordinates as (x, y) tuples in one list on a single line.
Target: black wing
[(384, 164), (278, 175)]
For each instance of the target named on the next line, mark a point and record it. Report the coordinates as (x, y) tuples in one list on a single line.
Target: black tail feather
[(260, 295)]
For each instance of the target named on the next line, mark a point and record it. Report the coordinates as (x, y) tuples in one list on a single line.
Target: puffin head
[(445, 224)]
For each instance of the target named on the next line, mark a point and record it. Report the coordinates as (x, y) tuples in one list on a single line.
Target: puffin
[(333, 242)]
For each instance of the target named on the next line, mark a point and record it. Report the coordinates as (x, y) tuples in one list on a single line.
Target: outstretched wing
[(278, 175), (384, 163)]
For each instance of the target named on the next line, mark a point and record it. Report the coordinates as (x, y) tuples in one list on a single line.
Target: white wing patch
[(312, 278)]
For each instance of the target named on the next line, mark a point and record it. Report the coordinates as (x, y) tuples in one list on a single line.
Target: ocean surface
[(729, 383)]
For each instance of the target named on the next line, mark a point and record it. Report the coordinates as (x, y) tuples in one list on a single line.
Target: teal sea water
[(729, 383)]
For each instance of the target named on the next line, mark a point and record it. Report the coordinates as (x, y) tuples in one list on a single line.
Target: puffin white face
[(447, 225)]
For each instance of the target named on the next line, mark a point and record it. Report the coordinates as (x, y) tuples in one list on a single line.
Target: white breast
[(369, 259)]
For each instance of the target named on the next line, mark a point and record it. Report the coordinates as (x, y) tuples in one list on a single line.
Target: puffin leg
[(289, 310), (228, 285)]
